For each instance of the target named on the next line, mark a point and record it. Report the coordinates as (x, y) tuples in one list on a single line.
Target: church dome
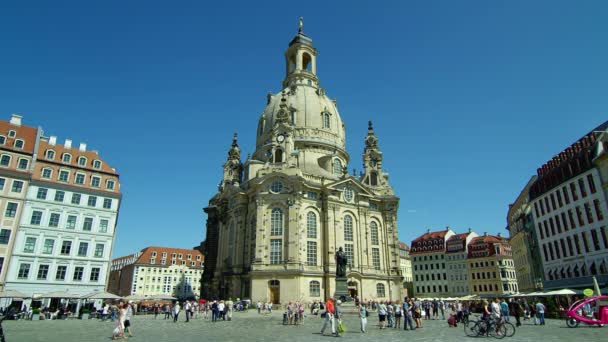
[(301, 110)]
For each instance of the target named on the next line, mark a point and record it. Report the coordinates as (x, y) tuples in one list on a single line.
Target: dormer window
[(19, 143), (12, 133), (110, 184), (337, 167), (2, 139), (82, 161), (50, 154), (326, 119), (66, 158), (97, 164)]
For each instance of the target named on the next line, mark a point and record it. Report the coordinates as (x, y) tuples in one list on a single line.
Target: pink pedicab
[(591, 310)]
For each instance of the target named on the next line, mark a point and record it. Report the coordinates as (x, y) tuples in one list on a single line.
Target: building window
[(95, 274), (5, 160), (92, 201), (17, 186), (30, 245), (311, 253), (337, 167), (66, 158), (276, 251), (50, 154), (76, 199), (95, 181), (41, 193), (5, 236), (88, 224), (83, 248), (97, 164), (82, 161), (78, 272), (2, 182), (66, 247), (311, 195), (99, 250), (48, 246), (36, 217), (376, 258), (276, 186), (103, 226), (2, 139), (11, 209), (348, 228), (54, 220), (326, 120), (276, 222), (43, 272), (349, 194), (348, 252), (19, 143), (61, 271), (79, 179), (64, 176), (23, 163), (573, 190), (314, 288), (12, 133), (374, 232), (591, 184), (59, 196), (581, 186), (110, 184), (71, 222), (598, 210), (380, 291), (24, 271), (311, 225)]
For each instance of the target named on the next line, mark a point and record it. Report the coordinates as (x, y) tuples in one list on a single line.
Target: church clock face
[(280, 138)]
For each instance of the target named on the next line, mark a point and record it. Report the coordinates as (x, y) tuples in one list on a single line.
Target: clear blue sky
[(468, 97)]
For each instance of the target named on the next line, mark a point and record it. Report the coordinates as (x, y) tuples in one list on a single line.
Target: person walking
[(175, 312), (338, 318), (398, 313), (390, 315), (427, 310), (540, 312), (442, 308), (381, 315), (504, 309), (417, 313), (221, 309), (229, 308), (214, 311), (259, 306), (187, 308), (329, 317), (363, 316), (128, 315)]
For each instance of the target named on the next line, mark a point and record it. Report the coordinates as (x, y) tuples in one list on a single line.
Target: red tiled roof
[(60, 149), (431, 235), (146, 255), (404, 246), (25, 133)]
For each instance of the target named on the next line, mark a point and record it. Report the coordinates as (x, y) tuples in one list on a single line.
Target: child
[(452, 321)]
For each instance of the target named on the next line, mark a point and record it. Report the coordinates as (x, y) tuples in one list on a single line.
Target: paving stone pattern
[(249, 326)]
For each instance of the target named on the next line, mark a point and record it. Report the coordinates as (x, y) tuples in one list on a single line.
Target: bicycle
[(510, 329), (486, 327)]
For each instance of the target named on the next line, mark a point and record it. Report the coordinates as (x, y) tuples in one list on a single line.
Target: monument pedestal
[(342, 289)]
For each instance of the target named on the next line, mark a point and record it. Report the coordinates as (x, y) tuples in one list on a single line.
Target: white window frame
[(2, 140), (12, 133), (84, 180), (59, 176), (108, 182), (10, 159), (98, 181), (97, 161), (69, 157), (22, 144), (50, 173), (19, 164), (49, 151), (81, 158)]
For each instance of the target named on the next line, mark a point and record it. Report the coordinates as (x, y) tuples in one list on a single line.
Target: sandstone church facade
[(279, 217)]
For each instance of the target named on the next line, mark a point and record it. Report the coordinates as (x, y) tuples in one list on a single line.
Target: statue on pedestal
[(341, 262)]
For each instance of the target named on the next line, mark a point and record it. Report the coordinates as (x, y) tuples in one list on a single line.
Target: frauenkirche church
[(278, 218)]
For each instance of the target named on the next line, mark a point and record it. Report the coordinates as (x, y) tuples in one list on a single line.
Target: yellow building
[(491, 267)]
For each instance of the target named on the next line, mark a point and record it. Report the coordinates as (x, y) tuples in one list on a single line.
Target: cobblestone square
[(253, 327)]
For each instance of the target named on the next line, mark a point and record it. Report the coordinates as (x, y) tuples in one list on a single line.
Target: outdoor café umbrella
[(60, 294), (12, 294), (101, 295)]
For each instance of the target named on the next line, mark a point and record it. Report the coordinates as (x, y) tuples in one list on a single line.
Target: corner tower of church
[(279, 217)]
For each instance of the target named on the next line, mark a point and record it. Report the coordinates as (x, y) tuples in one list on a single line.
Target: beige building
[(158, 271), (405, 263), (524, 242), (277, 220), (491, 268), (456, 263), (17, 148), (429, 262)]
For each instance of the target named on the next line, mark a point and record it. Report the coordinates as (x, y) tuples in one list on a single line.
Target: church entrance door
[(274, 289), (352, 288)]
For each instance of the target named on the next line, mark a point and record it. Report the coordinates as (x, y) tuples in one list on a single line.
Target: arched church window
[(276, 222), (373, 179), (315, 289), (278, 156), (337, 167), (311, 225), (373, 226), (348, 228), (306, 62), (380, 292), (326, 120)]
